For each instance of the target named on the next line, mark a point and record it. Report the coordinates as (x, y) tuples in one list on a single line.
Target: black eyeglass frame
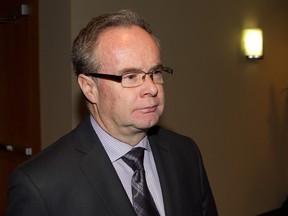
[(118, 78)]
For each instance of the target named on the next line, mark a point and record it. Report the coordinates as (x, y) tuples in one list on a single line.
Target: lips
[(149, 109)]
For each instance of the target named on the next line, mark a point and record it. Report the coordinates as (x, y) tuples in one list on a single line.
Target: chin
[(146, 121), (149, 124)]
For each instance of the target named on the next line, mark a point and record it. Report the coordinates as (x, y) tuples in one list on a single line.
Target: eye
[(157, 73), (130, 76)]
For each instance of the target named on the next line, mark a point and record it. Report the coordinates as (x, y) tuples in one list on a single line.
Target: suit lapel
[(166, 172), (100, 173)]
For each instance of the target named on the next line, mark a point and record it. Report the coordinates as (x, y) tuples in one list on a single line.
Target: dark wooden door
[(19, 87)]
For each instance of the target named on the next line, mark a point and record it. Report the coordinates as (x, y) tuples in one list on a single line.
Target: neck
[(128, 135)]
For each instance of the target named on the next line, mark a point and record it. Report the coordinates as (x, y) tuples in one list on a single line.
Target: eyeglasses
[(136, 78)]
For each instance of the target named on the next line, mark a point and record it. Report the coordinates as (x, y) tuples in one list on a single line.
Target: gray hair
[(83, 50)]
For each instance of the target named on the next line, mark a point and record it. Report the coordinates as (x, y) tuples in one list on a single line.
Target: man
[(91, 171)]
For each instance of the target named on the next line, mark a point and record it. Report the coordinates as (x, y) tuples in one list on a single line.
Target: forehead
[(127, 46), (124, 34)]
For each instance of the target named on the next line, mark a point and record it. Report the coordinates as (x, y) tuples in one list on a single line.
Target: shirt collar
[(115, 148)]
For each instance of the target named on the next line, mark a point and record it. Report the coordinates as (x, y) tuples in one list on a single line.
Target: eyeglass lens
[(132, 79)]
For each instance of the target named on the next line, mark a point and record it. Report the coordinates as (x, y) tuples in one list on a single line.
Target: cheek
[(106, 99), (112, 101), (161, 95), (162, 100)]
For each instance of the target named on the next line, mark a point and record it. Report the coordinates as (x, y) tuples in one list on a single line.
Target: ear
[(88, 87)]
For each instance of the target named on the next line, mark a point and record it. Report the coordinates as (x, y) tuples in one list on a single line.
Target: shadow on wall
[(278, 123), (278, 126), (285, 140), (275, 126), (285, 119)]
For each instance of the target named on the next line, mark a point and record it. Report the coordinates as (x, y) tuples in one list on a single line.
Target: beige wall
[(236, 110), (55, 69)]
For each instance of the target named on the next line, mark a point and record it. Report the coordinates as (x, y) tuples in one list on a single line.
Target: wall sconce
[(252, 43)]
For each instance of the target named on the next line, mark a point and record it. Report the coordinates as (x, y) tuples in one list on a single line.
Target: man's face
[(121, 110)]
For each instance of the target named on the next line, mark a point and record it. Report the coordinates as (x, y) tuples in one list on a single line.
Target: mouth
[(149, 109)]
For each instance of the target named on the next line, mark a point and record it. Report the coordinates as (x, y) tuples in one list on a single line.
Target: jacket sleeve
[(23, 197)]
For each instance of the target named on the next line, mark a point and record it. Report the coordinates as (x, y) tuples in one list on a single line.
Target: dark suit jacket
[(74, 177)]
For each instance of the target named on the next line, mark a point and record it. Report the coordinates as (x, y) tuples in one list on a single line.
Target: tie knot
[(134, 158)]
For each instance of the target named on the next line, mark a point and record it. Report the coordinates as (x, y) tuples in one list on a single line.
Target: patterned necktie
[(142, 200)]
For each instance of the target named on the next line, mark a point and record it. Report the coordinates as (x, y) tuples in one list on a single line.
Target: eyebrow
[(138, 69)]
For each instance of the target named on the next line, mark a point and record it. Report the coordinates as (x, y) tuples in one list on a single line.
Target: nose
[(149, 87), (147, 74)]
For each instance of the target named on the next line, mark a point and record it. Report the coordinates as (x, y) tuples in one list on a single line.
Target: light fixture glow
[(252, 42)]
